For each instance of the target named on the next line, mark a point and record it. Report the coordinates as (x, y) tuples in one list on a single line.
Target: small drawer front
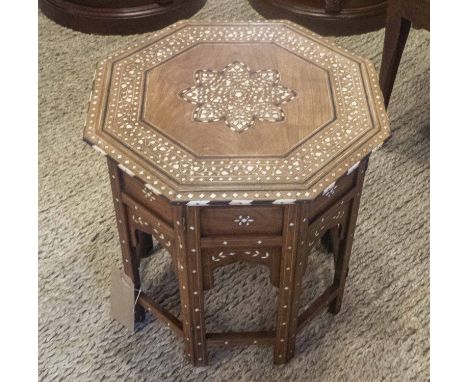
[(147, 198), (241, 220)]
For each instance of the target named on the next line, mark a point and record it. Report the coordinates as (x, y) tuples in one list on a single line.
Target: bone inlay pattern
[(114, 124), (139, 221), (244, 220), (238, 96), (254, 254), (250, 196)]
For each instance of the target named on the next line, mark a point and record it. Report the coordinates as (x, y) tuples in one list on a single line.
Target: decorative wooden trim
[(361, 122), (119, 20), (240, 339), (240, 202), (161, 230), (219, 257), (335, 215), (244, 220), (333, 6), (344, 250), (326, 18), (290, 283), (195, 284), (130, 263), (245, 254), (352, 168), (241, 241), (183, 278), (191, 283)]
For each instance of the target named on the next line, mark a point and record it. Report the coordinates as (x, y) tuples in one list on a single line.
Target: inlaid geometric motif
[(114, 126), (238, 96)]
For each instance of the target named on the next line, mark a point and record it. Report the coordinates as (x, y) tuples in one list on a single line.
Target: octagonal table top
[(236, 112)]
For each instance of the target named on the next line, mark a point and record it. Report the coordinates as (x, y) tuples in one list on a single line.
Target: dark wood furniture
[(236, 142), (327, 17), (402, 14), (118, 16)]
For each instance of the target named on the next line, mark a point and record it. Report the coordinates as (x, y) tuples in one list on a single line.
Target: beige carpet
[(382, 332)]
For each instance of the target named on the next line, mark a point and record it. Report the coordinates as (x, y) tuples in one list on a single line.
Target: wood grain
[(241, 220), (327, 17), (402, 14), (165, 110), (118, 16), (234, 112)]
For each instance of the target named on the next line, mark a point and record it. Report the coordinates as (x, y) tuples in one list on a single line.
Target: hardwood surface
[(402, 14), (304, 115), (258, 112), (118, 16), (327, 17)]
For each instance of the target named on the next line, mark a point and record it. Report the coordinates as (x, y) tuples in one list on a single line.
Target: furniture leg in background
[(401, 15)]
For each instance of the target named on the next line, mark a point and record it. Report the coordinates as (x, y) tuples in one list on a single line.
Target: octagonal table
[(236, 142)]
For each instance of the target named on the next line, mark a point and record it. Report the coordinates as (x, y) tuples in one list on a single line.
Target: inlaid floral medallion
[(238, 95)]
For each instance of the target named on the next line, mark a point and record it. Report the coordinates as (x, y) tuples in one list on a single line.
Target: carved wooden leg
[(396, 33), (344, 250), (129, 258), (293, 257), (190, 283)]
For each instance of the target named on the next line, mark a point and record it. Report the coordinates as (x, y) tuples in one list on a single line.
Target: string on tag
[(138, 295)]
